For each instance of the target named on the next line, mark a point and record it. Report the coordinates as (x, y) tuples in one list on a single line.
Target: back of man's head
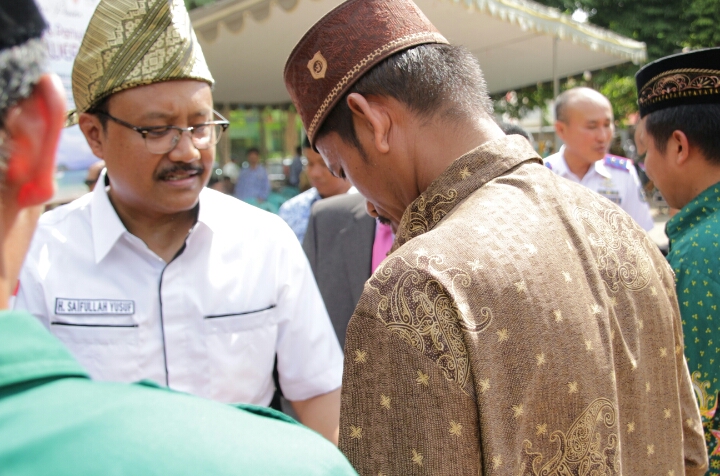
[(432, 80), (575, 97)]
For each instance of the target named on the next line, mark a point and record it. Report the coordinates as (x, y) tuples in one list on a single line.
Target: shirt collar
[(700, 207), (106, 225), (460, 179), (29, 352), (599, 166)]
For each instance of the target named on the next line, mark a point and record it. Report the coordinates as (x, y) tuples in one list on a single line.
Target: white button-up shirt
[(209, 323), (614, 178)]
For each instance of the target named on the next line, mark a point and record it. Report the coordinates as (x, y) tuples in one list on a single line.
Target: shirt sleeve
[(399, 413), (308, 352), (635, 204), (264, 185)]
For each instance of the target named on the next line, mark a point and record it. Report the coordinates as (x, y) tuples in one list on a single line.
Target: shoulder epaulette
[(620, 163)]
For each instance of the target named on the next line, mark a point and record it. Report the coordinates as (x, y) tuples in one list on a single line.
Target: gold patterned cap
[(131, 43), (344, 45), (679, 80)]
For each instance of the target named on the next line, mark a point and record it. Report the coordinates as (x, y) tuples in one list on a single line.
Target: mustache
[(175, 168)]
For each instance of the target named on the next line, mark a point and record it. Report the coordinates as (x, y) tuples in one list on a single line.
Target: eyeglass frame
[(143, 131)]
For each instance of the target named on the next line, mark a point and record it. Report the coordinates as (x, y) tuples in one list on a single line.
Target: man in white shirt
[(585, 124), (147, 278)]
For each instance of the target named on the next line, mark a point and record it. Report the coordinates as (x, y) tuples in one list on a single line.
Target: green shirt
[(55, 420), (694, 255)]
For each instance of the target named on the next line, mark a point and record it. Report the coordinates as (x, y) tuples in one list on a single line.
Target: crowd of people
[(441, 301)]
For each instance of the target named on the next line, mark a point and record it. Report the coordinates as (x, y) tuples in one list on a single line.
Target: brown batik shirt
[(523, 325)]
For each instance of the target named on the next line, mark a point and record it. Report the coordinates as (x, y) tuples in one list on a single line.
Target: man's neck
[(576, 164), (440, 143), (164, 234)]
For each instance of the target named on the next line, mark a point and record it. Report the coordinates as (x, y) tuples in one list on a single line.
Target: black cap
[(679, 80), (20, 21)]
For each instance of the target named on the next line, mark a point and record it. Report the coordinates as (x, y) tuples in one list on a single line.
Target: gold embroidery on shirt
[(650, 450), (385, 401), (666, 413), (422, 379), (455, 428), (360, 356), (620, 253), (502, 335), (497, 461), (558, 315), (465, 173), (356, 432), (518, 410), (484, 385), (567, 276), (589, 446), (417, 458), (419, 308), (540, 359), (541, 430), (572, 387), (631, 427)]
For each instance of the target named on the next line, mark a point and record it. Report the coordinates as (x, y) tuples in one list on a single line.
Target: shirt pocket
[(240, 321)]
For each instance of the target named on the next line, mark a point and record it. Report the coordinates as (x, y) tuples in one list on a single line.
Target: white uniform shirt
[(208, 323), (614, 178)]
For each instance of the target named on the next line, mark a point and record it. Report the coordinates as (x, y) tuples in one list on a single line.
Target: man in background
[(253, 183), (295, 168), (172, 281), (93, 174), (505, 332), (53, 418), (680, 129), (585, 123), (296, 211), (344, 245)]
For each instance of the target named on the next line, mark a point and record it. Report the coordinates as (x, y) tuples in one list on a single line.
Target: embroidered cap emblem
[(317, 66)]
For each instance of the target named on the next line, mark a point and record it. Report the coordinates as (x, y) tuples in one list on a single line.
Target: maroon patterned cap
[(344, 45)]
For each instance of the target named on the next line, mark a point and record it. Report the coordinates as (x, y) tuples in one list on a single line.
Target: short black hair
[(510, 129), (699, 122), (429, 79), (253, 149), (99, 109)]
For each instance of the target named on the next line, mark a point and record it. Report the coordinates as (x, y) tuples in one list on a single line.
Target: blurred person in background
[(93, 174), (253, 184), (53, 418), (585, 123), (164, 285), (296, 211)]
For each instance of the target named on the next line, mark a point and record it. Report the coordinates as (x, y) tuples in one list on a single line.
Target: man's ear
[(93, 130), (560, 130), (33, 126), (370, 119), (679, 147)]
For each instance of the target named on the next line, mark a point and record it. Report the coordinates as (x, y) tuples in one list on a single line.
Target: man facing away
[(522, 323), (681, 131), (585, 123), (253, 183), (53, 418), (296, 211), (148, 278)]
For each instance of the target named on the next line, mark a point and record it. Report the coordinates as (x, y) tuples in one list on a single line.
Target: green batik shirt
[(695, 257)]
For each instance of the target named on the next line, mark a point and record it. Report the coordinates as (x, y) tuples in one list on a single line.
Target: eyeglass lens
[(163, 141)]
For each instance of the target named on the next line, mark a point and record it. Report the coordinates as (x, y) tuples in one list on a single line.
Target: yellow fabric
[(523, 325), (132, 43)]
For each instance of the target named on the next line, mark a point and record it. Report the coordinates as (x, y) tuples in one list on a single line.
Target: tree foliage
[(666, 27)]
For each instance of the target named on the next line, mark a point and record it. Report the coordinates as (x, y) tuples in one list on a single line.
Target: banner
[(67, 21)]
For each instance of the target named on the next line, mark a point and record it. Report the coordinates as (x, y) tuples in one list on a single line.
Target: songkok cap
[(679, 80), (131, 43), (345, 44)]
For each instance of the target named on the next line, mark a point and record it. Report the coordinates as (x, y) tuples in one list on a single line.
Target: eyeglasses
[(163, 139)]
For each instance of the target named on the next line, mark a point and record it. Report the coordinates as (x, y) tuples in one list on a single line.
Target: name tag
[(612, 195), (94, 306)]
